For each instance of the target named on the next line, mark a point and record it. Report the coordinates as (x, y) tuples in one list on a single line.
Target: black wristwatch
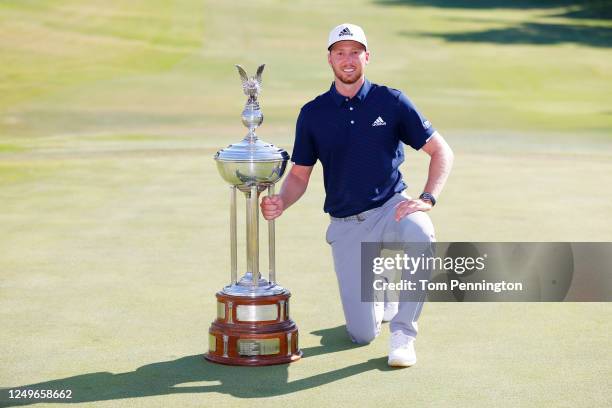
[(428, 197)]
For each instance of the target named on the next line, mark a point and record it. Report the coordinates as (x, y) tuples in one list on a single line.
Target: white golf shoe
[(390, 311), (401, 352)]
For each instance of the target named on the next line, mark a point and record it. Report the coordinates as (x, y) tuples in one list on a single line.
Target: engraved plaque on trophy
[(252, 326)]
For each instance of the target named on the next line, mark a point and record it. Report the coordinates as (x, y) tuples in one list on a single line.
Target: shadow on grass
[(181, 375), (595, 9), (528, 32), (534, 33)]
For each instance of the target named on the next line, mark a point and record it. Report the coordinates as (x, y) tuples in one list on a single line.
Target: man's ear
[(329, 58), (367, 57)]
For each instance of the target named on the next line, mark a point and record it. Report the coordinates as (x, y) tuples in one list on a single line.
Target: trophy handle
[(233, 236), (253, 233), (271, 244)]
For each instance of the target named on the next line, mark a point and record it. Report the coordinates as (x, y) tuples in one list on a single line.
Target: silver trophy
[(252, 325)]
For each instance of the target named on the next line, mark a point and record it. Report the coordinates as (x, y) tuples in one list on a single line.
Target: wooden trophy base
[(253, 331)]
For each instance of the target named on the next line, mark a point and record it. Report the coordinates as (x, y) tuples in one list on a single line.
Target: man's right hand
[(272, 206)]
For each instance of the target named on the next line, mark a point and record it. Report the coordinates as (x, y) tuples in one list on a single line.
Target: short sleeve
[(415, 129), (304, 151)]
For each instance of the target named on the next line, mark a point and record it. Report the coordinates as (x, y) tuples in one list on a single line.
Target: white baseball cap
[(347, 31)]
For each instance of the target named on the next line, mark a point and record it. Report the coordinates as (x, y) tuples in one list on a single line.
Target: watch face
[(428, 197)]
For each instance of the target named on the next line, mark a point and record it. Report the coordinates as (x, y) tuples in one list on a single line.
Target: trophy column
[(252, 326)]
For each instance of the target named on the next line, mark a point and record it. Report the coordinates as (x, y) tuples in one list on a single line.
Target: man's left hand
[(407, 207)]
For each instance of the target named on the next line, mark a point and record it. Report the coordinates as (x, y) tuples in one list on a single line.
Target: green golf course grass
[(114, 221)]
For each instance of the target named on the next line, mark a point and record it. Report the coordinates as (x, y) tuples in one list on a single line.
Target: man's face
[(348, 60)]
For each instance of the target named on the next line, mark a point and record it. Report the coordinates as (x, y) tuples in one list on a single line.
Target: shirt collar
[(361, 95)]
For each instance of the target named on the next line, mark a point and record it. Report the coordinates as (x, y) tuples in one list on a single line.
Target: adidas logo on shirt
[(346, 31), (379, 122)]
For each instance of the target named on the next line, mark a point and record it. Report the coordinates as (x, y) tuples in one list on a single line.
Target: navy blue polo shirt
[(359, 142)]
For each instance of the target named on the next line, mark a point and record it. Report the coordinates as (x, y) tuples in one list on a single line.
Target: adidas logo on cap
[(347, 31), (344, 32)]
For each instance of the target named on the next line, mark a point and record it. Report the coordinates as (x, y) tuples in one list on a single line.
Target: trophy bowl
[(246, 163)]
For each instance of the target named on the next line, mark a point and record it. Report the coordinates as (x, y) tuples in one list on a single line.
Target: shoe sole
[(401, 363)]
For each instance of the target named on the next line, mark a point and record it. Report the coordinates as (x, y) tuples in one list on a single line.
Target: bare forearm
[(440, 166), (293, 188)]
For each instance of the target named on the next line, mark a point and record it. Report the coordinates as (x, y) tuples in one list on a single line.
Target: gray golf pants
[(345, 236)]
